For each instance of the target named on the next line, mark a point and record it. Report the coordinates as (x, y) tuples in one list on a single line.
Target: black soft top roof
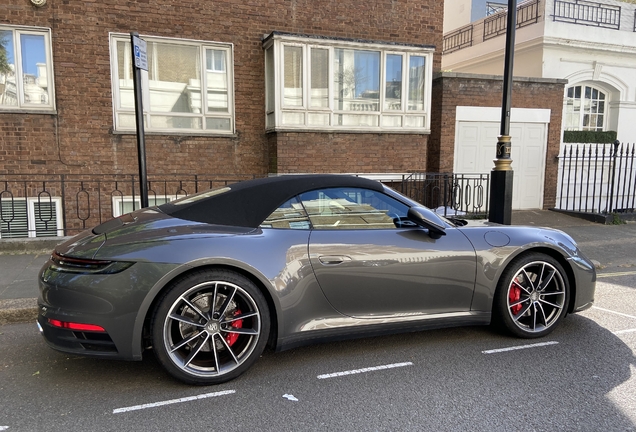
[(248, 203)]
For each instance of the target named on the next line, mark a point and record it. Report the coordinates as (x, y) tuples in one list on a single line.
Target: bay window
[(323, 84)]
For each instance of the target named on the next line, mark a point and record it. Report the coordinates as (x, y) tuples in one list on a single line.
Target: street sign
[(139, 50)]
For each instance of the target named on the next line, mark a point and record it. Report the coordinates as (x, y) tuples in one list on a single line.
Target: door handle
[(333, 259)]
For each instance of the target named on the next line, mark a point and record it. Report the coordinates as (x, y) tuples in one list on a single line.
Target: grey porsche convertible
[(210, 280)]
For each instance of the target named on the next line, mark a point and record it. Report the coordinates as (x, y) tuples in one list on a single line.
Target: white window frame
[(582, 112), (274, 118), (203, 115), (24, 106)]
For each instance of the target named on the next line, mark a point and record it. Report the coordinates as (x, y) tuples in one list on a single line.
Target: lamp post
[(502, 175)]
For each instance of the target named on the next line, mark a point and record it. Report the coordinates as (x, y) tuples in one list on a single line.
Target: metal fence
[(527, 13), (43, 206), (597, 178), (588, 13), (450, 194), (458, 39)]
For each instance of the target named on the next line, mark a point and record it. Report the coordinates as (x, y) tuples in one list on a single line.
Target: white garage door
[(477, 130)]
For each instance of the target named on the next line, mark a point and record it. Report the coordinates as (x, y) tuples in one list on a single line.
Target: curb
[(18, 311), (22, 246)]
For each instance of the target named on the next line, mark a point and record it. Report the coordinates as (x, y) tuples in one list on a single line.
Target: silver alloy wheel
[(212, 329), (536, 296)]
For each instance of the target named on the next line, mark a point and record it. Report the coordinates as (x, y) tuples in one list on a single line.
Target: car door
[(370, 262)]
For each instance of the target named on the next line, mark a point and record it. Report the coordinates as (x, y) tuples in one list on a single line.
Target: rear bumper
[(111, 301)]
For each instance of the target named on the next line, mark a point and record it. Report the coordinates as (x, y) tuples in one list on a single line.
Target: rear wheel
[(532, 296), (210, 327)]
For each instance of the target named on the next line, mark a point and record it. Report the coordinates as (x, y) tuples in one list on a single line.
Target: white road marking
[(604, 275), (4, 428), (369, 369), (290, 397), (173, 401), (493, 351), (614, 312), (624, 331)]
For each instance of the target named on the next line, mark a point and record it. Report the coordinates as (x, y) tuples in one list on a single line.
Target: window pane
[(8, 89), (318, 119), (290, 215), (269, 79), (356, 120), (174, 78), (393, 93), (319, 78), (35, 82), (352, 208), (356, 80), (218, 124), (216, 76), (293, 73), (125, 74), (173, 122), (416, 83)]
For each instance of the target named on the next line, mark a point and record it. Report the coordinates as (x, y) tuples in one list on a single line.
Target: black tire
[(194, 342), (532, 296)]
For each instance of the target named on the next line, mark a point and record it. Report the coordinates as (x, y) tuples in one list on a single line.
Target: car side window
[(352, 208), (289, 215)]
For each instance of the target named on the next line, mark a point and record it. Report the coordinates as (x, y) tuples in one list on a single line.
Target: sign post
[(140, 62)]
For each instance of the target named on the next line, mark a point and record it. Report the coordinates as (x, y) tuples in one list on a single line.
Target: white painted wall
[(456, 14)]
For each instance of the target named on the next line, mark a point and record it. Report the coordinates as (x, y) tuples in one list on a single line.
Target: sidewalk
[(613, 247)]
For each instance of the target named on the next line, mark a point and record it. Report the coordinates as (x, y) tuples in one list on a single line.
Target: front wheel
[(210, 327), (532, 296)]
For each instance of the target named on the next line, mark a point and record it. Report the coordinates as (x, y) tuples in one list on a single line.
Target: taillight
[(81, 265), (76, 326)]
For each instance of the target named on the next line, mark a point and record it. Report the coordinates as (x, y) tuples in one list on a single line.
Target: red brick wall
[(349, 153), (79, 138), (451, 90)]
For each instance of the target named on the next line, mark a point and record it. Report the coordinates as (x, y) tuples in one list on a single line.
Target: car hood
[(139, 227)]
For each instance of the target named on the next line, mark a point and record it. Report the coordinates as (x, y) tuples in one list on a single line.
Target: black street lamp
[(502, 175)]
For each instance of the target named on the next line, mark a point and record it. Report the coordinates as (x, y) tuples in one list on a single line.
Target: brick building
[(235, 89)]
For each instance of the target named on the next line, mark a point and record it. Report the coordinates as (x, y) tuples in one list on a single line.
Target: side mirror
[(428, 219)]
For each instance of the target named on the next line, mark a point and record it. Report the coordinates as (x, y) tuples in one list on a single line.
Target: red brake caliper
[(232, 337), (514, 296)]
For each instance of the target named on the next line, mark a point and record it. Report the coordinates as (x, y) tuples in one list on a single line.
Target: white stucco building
[(591, 44)]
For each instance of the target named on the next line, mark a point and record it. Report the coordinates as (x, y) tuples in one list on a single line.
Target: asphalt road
[(580, 378)]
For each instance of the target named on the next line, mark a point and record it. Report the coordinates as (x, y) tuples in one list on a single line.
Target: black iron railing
[(527, 13), (597, 178), (458, 39), (588, 13), (450, 194), (43, 206)]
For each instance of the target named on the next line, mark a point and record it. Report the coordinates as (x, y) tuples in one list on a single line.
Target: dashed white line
[(624, 331), (520, 347), (614, 312), (604, 275), (4, 428), (173, 401), (368, 369)]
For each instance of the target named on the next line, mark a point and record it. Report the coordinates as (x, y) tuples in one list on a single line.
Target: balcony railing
[(588, 13), (527, 13), (458, 39)]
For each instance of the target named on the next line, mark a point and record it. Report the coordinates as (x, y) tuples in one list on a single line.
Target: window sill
[(28, 111), (180, 134), (351, 131)]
